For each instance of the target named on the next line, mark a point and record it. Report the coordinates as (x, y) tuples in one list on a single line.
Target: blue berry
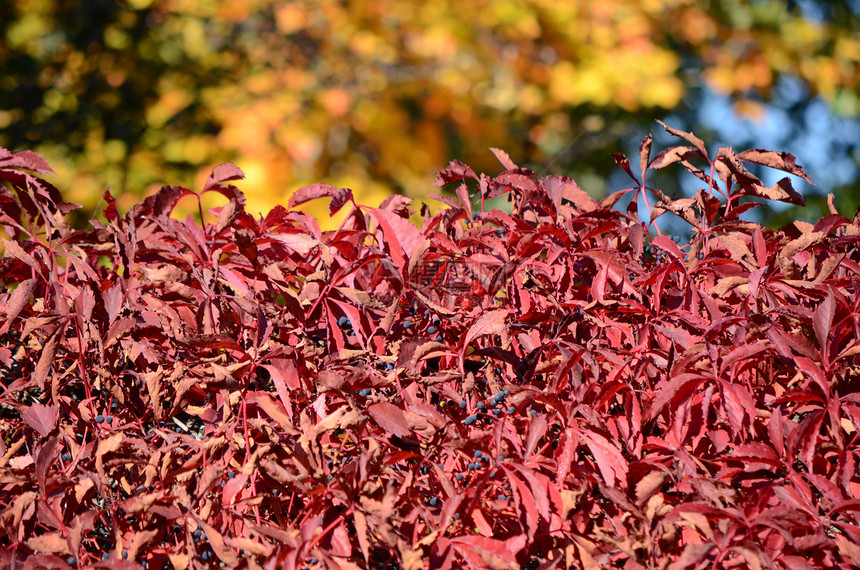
[(436, 320), (438, 338), (125, 554), (459, 476), (343, 322), (471, 419), (431, 329), (497, 412), (456, 516), (478, 453), (109, 420), (100, 419), (482, 406), (511, 409), (407, 324), (532, 413), (463, 404), (70, 560), (364, 392), (474, 466), (207, 554), (433, 501), (106, 556)]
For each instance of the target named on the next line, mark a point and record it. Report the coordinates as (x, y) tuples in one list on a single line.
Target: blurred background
[(377, 95)]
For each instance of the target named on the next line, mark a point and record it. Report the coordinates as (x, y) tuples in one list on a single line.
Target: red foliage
[(551, 387)]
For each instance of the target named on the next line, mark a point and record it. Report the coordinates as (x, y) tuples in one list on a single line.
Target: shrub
[(689, 404)]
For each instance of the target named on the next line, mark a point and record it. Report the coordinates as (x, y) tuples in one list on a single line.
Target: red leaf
[(669, 389), (610, 461), (666, 244), (490, 323), (537, 428), (43, 419), (222, 173), (401, 236), (525, 497), (339, 196), (697, 143), (390, 418), (562, 187), (780, 160), (822, 320), (495, 553), (26, 159), (18, 300), (675, 154), (454, 172), (504, 159)]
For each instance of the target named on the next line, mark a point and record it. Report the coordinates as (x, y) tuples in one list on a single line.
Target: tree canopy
[(379, 94)]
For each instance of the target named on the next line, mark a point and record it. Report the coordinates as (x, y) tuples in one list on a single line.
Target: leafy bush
[(551, 387)]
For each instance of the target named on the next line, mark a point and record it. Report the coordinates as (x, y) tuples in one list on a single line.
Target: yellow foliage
[(379, 94)]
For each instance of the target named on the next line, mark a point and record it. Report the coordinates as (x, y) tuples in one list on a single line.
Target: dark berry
[(436, 321), (431, 329), (482, 406), (433, 501), (109, 420), (463, 404), (100, 419), (456, 516), (407, 324), (471, 419), (478, 453), (459, 476)]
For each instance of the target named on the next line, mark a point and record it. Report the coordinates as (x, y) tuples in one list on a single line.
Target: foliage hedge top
[(552, 386)]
